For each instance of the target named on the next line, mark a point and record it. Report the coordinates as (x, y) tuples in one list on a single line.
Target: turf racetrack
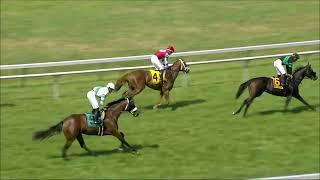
[(196, 136)]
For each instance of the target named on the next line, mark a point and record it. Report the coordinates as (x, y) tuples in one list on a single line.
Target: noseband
[(182, 65), (128, 101)]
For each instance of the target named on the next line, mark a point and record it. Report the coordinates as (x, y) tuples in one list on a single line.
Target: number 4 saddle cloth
[(276, 83), (155, 76)]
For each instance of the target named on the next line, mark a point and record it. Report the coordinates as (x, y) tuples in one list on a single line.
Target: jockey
[(281, 71), (100, 92), (162, 55)]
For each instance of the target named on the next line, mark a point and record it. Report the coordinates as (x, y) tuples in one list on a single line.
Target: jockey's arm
[(289, 69), (165, 61), (102, 99)]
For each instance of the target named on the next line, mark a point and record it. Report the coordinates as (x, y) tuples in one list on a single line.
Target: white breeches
[(278, 65), (156, 62), (92, 99)]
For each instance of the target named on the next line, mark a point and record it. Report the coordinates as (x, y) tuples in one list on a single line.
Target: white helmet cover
[(110, 85)]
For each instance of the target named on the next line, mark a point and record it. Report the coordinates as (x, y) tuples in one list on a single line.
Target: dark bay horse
[(257, 86), (74, 125), (137, 80)]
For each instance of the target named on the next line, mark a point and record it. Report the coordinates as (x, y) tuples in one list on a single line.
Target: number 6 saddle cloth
[(276, 83), (155, 76)]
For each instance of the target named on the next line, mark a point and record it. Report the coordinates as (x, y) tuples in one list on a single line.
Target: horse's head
[(183, 66), (310, 73), (131, 107)]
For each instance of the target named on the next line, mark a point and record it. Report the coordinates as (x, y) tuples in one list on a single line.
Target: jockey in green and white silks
[(101, 92), (287, 70)]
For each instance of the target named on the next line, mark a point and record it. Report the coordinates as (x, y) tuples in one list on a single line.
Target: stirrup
[(96, 122)]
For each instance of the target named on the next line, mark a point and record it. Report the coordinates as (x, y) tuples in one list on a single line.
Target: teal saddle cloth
[(89, 123)]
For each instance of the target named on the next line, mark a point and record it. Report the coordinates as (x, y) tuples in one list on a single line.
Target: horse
[(137, 80), (74, 126), (257, 86)]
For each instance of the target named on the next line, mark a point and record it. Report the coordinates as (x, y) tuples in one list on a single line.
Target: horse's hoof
[(234, 113), (133, 151), (155, 107)]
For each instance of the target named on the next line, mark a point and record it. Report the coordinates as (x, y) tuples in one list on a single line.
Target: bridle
[(182, 65), (128, 101), (132, 110)]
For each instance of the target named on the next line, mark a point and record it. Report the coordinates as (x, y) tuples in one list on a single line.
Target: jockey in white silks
[(98, 92)]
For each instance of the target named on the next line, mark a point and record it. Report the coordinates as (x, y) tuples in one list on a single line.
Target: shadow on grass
[(178, 104), (107, 152), (7, 105), (298, 109)]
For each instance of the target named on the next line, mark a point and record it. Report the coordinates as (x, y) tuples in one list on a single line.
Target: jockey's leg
[(158, 65), (284, 84), (96, 115), (280, 69), (95, 106), (283, 80), (156, 62)]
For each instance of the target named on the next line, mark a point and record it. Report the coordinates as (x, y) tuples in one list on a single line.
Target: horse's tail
[(41, 135), (242, 87), (120, 82)]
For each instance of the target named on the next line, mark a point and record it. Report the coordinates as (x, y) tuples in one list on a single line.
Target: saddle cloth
[(276, 83), (89, 121), (155, 76)]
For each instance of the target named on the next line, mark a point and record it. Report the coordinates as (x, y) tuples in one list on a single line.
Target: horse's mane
[(298, 69), (114, 102)]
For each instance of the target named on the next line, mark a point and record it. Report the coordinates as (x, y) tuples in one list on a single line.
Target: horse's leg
[(254, 91), (159, 101), (82, 144), (303, 101), (167, 96), (134, 90), (288, 99), (248, 103), (66, 146), (239, 110), (122, 146), (120, 136), (71, 129)]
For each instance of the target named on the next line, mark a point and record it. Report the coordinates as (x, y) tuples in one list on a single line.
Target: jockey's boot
[(96, 115), (284, 84), (161, 74)]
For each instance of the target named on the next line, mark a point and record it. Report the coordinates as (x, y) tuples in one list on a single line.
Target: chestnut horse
[(137, 80), (259, 85), (74, 125)]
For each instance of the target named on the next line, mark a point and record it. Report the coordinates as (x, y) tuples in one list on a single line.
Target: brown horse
[(74, 125), (137, 80), (259, 85)]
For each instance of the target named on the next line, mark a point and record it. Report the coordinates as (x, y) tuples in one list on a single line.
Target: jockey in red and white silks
[(161, 55)]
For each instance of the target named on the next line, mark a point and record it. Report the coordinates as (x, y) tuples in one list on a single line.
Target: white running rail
[(294, 177), (143, 57), (144, 67)]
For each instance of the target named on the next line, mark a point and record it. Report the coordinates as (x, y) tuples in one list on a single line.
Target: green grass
[(40, 31), (196, 136)]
